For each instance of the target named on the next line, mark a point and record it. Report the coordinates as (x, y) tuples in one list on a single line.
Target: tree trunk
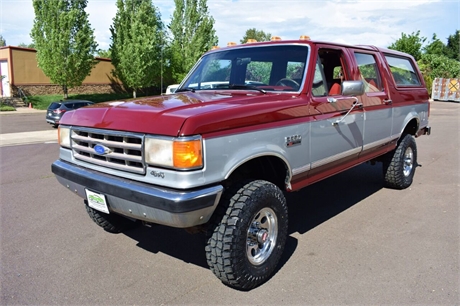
[(134, 94), (64, 88)]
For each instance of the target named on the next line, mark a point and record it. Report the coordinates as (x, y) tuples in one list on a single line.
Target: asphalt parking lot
[(350, 240)]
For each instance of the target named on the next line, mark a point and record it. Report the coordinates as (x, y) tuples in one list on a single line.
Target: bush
[(6, 108)]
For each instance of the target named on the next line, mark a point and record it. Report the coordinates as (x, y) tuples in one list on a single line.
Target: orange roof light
[(304, 37), (275, 38), (251, 40), (214, 47), (232, 43)]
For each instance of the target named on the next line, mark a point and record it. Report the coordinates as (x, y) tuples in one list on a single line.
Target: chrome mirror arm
[(355, 104)]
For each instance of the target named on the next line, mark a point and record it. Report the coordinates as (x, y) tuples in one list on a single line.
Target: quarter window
[(403, 71)]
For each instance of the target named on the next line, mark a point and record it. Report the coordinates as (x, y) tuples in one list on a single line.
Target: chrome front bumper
[(176, 208)]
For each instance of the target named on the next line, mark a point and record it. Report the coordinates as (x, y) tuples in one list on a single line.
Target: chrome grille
[(124, 149)]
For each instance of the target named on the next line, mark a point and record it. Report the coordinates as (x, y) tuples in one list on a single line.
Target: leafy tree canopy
[(64, 41), (258, 35), (193, 34), (453, 46), (104, 53), (137, 39), (439, 66), (2, 41), (30, 46), (436, 46), (411, 44)]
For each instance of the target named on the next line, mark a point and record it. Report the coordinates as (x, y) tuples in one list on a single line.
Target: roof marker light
[(232, 43), (251, 40), (304, 37), (275, 38)]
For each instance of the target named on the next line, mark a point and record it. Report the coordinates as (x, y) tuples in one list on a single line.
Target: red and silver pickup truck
[(248, 123)]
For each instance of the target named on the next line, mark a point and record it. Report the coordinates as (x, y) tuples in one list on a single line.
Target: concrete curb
[(24, 110)]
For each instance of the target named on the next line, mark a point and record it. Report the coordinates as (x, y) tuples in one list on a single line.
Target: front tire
[(247, 242), (399, 165), (111, 223)]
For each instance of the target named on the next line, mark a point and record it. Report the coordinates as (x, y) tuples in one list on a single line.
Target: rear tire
[(247, 242), (399, 165), (111, 223)]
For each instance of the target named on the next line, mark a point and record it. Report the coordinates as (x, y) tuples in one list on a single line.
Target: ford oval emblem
[(101, 149)]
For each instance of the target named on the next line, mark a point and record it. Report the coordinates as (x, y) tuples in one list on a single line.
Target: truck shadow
[(308, 208)]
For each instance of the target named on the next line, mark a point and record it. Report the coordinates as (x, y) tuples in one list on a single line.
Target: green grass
[(6, 108), (42, 102)]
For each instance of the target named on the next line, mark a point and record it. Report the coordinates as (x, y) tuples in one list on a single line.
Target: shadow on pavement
[(308, 208)]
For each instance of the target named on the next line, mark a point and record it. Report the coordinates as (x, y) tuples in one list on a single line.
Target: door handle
[(388, 101)]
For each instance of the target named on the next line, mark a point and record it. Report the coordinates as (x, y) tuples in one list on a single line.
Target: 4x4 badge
[(293, 140), (101, 149)]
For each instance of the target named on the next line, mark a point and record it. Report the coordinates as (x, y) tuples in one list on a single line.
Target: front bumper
[(176, 208)]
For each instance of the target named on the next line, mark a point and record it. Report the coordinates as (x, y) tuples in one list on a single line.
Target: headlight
[(64, 136), (179, 153)]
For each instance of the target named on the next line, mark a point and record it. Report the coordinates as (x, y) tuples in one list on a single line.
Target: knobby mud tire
[(248, 234), (399, 165), (111, 223)]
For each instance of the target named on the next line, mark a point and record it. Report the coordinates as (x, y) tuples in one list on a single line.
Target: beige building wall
[(25, 68), (23, 72)]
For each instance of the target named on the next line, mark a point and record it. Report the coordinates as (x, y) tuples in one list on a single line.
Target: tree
[(453, 46), (64, 41), (193, 34), (104, 53), (439, 66), (255, 34), (436, 46), (2, 41), (137, 39), (411, 44), (30, 46)]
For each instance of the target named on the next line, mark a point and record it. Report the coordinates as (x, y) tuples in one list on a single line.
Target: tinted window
[(403, 71), (54, 105)]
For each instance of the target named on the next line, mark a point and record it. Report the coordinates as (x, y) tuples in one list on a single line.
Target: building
[(19, 70)]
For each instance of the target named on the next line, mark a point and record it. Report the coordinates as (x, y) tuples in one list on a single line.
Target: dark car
[(57, 109)]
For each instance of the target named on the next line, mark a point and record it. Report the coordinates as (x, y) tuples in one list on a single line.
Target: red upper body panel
[(188, 113)]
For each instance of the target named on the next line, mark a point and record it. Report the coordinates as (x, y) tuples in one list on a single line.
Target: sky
[(369, 22)]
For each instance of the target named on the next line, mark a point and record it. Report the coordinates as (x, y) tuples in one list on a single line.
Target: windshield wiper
[(240, 86), (185, 89)]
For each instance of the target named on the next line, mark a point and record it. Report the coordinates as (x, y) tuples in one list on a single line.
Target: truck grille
[(123, 151)]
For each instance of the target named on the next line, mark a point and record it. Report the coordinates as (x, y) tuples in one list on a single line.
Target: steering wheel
[(288, 82)]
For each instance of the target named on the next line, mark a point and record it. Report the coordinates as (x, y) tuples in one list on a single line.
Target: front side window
[(403, 71), (271, 68)]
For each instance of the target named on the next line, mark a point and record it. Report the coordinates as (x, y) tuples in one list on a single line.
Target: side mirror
[(352, 88)]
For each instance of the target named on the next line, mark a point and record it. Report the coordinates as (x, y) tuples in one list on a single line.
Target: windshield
[(264, 68)]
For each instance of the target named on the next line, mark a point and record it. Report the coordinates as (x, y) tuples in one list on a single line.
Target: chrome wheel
[(261, 238), (408, 161)]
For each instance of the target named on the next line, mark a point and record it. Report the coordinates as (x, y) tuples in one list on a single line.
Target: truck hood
[(185, 113)]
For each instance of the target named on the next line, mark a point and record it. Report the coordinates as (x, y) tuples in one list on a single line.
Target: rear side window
[(54, 105), (403, 71), (369, 72)]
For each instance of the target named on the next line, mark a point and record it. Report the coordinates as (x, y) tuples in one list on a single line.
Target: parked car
[(57, 109)]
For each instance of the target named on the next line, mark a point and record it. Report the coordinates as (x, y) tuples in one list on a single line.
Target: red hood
[(185, 113)]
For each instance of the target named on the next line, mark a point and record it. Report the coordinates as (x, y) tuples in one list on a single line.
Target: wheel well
[(411, 128), (268, 168)]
